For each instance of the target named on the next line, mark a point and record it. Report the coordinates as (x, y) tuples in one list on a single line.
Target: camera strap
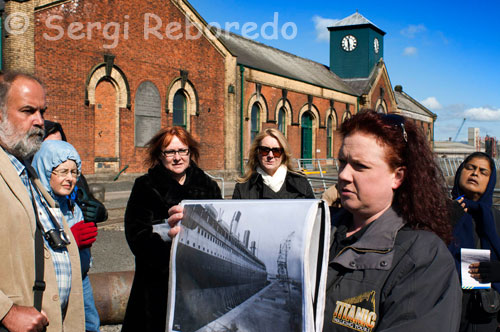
[(39, 285)]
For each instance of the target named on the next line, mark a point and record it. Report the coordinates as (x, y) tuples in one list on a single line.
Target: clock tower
[(356, 45)]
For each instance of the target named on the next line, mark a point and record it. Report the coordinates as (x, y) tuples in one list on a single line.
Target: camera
[(57, 238)]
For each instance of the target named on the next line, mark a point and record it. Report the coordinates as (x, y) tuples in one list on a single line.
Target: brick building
[(117, 71)]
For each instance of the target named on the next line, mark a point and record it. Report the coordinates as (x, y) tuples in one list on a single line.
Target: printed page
[(237, 260), (469, 256)]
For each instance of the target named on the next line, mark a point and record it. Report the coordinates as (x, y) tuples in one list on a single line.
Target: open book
[(249, 265)]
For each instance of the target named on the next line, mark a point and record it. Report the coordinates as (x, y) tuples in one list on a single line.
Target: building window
[(255, 121), (147, 112), (329, 134), (180, 108), (282, 120)]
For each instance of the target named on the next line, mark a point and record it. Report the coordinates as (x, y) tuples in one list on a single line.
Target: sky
[(445, 54)]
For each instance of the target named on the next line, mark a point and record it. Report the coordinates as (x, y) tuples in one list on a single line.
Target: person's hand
[(25, 319), (485, 272), (93, 211), (462, 203), (176, 213), (85, 234)]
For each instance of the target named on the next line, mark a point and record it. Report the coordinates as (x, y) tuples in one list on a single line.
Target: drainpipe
[(242, 101)]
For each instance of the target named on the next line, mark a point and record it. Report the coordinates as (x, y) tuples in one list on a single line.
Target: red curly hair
[(422, 198)]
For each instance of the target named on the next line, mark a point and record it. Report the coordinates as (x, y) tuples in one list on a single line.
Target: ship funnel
[(246, 238), (252, 247), (235, 221)]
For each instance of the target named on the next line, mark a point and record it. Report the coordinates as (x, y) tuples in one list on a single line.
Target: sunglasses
[(264, 151), (396, 121)]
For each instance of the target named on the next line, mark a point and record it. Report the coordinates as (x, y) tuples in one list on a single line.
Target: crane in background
[(459, 129)]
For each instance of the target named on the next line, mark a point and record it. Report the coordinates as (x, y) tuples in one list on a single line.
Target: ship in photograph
[(240, 266)]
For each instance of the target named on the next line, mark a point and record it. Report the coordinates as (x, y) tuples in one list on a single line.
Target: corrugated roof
[(407, 103), (262, 57)]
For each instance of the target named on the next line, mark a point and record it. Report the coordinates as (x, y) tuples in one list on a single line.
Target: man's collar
[(18, 165)]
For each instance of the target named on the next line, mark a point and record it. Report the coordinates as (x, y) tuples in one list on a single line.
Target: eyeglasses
[(64, 172), (264, 151), (397, 121), (171, 153)]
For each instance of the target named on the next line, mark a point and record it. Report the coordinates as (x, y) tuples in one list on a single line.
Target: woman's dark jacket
[(151, 197), (388, 277), (479, 228), (295, 186)]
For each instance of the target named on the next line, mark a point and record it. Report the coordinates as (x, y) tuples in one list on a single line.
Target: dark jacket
[(392, 278), (151, 197), (295, 186)]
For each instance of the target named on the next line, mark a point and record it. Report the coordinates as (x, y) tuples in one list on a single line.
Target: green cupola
[(356, 45)]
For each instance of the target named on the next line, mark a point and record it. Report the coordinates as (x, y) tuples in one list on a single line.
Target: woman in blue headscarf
[(478, 227), (58, 165)]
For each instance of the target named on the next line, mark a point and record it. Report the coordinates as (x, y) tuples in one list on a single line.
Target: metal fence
[(323, 173)]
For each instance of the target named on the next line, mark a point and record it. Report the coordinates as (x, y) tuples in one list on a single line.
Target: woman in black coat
[(173, 176), (269, 171)]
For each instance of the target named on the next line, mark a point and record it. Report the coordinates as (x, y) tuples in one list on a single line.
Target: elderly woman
[(269, 171), (58, 165), (477, 227), (173, 176), (389, 267)]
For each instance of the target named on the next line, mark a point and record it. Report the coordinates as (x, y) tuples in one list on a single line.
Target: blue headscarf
[(480, 212)]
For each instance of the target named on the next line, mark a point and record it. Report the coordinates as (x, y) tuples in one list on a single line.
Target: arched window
[(282, 120), (255, 121), (329, 133), (180, 108)]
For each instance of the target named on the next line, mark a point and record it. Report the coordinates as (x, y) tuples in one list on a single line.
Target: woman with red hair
[(173, 176), (389, 266)]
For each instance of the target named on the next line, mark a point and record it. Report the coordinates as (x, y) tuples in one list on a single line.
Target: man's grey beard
[(21, 145)]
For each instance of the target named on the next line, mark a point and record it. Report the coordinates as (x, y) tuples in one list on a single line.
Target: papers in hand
[(469, 256), (162, 230)]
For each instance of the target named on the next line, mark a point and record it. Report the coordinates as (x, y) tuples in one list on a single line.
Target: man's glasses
[(64, 172), (397, 121), (264, 151), (171, 153)]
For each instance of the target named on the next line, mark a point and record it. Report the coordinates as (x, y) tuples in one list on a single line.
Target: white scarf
[(275, 182)]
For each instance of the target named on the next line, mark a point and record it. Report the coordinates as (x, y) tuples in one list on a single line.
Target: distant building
[(112, 94)]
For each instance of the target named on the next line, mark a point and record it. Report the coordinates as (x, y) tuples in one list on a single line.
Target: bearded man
[(25, 207)]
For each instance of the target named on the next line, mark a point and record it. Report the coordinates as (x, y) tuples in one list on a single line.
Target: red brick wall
[(64, 65), (297, 100)]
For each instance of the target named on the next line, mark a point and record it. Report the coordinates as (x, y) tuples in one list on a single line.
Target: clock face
[(349, 43), (376, 45)]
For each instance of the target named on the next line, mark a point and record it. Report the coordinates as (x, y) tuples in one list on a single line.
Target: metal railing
[(323, 173), (218, 178)]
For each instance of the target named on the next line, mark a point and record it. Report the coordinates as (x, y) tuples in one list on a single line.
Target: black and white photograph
[(243, 266)]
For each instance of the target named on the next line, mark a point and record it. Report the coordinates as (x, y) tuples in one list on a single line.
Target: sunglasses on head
[(396, 121), (264, 150)]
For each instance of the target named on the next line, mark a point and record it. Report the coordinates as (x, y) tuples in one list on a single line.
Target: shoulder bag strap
[(39, 285)]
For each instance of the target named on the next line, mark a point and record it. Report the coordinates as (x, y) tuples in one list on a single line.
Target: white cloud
[(431, 103), (410, 51), (483, 114), (321, 24), (411, 30)]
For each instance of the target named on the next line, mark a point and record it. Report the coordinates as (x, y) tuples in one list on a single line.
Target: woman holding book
[(389, 268), (173, 176), (269, 171), (477, 226)]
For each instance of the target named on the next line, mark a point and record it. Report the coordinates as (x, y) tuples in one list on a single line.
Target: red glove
[(85, 234)]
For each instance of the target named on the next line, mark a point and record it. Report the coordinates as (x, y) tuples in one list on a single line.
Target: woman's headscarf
[(51, 155), (480, 212)]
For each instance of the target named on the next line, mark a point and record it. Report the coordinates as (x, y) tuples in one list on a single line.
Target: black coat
[(151, 197), (295, 186)]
